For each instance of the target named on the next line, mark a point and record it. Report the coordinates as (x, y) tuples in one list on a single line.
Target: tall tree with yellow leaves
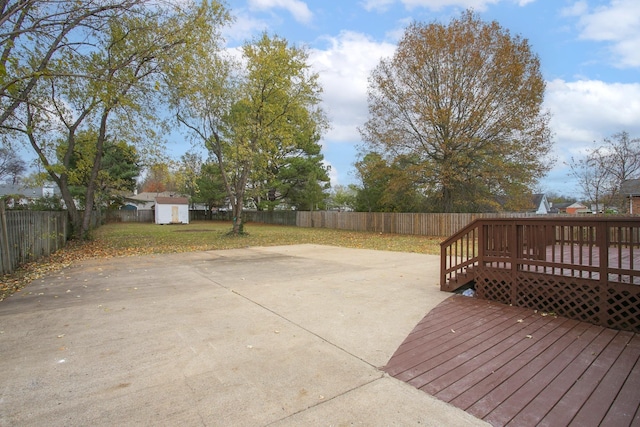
[(465, 101)]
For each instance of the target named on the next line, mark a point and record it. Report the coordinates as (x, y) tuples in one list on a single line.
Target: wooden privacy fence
[(28, 235), (273, 217), (125, 215), (422, 224)]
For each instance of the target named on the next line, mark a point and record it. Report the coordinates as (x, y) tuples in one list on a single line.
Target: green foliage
[(257, 121), (389, 187), (343, 198), (210, 186), (299, 180), (118, 170), (122, 63), (462, 105)]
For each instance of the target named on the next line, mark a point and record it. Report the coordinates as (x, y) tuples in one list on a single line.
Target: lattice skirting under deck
[(617, 306)]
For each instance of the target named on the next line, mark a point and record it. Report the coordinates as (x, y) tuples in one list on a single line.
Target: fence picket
[(27, 235)]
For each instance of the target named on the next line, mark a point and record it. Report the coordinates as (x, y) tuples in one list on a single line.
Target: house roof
[(20, 189), (172, 200), (577, 205), (630, 187), (149, 196), (537, 198), (540, 203), (562, 205)]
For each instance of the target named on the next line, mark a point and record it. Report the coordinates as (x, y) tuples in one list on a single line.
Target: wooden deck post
[(603, 240), (514, 252)]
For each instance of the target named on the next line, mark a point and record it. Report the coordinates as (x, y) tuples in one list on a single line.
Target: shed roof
[(150, 196), (172, 200)]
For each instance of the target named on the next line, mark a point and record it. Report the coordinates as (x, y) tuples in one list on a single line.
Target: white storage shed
[(172, 210)]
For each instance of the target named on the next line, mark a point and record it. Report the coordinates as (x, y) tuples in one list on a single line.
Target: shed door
[(175, 217)]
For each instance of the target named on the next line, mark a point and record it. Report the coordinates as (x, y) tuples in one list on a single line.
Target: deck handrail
[(559, 262), (458, 253)]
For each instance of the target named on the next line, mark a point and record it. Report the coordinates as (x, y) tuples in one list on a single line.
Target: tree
[(373, 173), (623, 156), (158, 178), (464, 102), (593, 179), (36, 33), (248, 116), (118, 171), (601, 171), (189, 169), (200, 180), (388, 186), (115, 89), (11, 166), (343, 197), (211, 190), (296, 176)]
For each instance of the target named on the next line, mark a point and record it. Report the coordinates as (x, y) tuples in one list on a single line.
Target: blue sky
[(589, 52)]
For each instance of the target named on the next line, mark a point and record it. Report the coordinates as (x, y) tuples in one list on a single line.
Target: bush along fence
[(28, 235)]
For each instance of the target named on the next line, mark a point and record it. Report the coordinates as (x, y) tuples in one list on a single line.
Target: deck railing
[(582, 268)]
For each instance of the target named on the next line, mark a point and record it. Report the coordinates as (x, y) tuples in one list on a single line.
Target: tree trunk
[(91, 185), (238, 226), (447, 200)]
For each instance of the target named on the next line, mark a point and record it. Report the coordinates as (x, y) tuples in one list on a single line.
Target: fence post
[(6, 260)]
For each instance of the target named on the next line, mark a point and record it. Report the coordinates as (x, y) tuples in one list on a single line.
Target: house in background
[(172, 210), (145, 201), (577, 208), (630, 190), (23, 195), (559, 208), (541, 205)]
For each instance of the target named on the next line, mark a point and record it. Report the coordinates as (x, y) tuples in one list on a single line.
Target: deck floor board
[(515, 366)]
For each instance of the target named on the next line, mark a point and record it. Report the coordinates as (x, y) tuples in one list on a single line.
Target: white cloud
[(586, 111), (577, 9), (478, 5), (344, 68), (618, 24), (379, 5), (298, 9), (333, 173), (243, 28)]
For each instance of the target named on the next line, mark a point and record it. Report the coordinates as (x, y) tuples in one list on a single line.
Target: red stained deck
[(515, 366), (584, 262)]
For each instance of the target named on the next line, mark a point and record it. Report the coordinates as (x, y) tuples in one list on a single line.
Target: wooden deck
[(518, 367), (587, 269), (584, 262)]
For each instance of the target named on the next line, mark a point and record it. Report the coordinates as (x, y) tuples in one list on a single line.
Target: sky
[(589, 52)]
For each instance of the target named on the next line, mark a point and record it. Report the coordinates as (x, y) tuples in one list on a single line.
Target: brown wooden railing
[(582, 268)]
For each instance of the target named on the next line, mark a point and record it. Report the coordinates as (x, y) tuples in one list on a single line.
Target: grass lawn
[(127, 239)]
